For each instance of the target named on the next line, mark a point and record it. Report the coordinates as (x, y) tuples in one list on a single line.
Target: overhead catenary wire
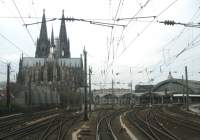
[(172, 23), (6, 62), (130, 20), (181, 32), (23, 22), (143, 30), (121, 35), (180, 64), (136, 18), (193, 44), (160, 64), (13, 44), (112, 31), (110, 45), (79, 19), (115, 46), (183, 50), (188, 46)]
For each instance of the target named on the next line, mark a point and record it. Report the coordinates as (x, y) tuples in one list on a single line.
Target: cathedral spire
[(43, 43), (20, 74), (63, 33), (64, 43), (52, 38), (43, 30)]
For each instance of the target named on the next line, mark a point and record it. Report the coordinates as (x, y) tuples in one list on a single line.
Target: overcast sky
[(141, 51)]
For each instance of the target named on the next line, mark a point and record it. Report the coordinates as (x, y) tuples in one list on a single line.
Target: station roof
[(193, 85), (190, 95)]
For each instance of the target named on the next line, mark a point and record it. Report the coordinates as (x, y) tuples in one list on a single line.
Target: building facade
[(52, 76)]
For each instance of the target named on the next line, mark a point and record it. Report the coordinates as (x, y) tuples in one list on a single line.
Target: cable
[(176, 38), (130, 20), (12, 43), (23, 22), (136, 18), (80, 19), (180, 33), (148, 25), (154, 17), (184, 50), (143, 30), (27, 24), (122, 32), (111, 34), (37, 17)]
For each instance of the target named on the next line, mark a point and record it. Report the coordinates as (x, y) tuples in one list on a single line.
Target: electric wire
[(193, 44), (121, 35), (160, 64), (143, 30), (111, 64), (112, 30), (180, 33), (23, 22), (13, 44), (111, 45)]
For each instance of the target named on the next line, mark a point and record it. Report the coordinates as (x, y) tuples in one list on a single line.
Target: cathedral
[(52, 76)]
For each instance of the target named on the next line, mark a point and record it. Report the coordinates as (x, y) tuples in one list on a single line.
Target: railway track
[(55, 123), (15, 121), (28, 129), (157, 129), (58, 128), (180, 111), (104, 128), (150, 126), (158, 125), (183, 126), (186, 121)]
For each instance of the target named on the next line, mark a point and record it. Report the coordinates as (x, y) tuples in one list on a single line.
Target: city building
[(52, 76)]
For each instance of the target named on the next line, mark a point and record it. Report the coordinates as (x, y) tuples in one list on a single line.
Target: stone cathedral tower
[(44, 45), (64, 49)]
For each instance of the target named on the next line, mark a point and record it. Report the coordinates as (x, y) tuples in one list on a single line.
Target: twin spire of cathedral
[(61, 48)]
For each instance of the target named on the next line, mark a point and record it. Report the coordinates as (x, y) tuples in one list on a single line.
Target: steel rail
[(107, 119), (146, 126), (153, 129)]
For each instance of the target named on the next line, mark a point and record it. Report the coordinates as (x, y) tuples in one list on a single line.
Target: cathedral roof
[(69, 62)]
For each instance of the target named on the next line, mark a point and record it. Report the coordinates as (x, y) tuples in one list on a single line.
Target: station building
[(171, 90)]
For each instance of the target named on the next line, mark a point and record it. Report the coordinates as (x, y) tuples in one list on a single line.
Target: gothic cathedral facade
[(52, 74)]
